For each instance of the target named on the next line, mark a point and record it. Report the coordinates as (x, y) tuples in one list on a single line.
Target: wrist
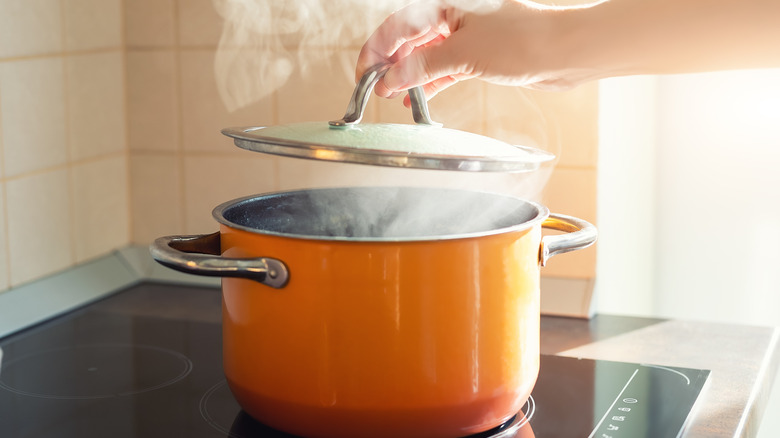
[(595, 42)]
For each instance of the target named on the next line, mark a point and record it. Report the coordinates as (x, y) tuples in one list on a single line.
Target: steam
[(382, 213), (264, 42)]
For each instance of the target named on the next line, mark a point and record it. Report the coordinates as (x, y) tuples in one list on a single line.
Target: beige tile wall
[(110, 120), (63, 152)]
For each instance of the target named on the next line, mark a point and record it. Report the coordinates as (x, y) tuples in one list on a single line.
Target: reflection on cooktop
[(220, 410)]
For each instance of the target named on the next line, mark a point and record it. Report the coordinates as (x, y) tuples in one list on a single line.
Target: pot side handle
[(201, 255), (579, 234)]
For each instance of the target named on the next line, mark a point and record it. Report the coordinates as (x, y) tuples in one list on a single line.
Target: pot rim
[(542, 213)]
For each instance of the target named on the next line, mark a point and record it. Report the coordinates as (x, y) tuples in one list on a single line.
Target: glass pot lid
[(424, 145)]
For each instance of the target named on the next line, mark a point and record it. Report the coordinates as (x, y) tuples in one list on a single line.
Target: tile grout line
[(68, 143), (177, 67), (57, 167), (130, 237), (4, 193), (61, 54), (2, 145), (277, 166)]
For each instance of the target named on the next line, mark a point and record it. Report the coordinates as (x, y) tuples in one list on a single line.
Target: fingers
[(398, 35), (403, 67), (434, 67), (435, 61), (415, 41), (433, 88)]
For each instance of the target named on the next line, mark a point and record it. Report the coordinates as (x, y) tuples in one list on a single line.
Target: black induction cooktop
[(146, 362)]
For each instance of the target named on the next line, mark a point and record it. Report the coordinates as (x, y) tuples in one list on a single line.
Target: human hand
[(436, 43), (509, 42)]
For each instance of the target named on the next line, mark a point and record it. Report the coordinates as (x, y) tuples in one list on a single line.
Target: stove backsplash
[(110, 121)]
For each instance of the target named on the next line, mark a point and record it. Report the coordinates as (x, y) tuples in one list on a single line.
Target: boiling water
[(377, 213)]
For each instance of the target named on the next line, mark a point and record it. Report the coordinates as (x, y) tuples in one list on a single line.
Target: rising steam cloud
[(264, 42)]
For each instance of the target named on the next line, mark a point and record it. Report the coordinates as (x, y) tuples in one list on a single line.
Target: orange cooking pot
[(348, 310)]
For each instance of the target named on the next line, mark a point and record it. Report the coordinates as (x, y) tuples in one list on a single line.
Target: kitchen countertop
[(743, 360)]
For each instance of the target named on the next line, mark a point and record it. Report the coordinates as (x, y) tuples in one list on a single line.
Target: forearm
[(523, 43), (623, 37)]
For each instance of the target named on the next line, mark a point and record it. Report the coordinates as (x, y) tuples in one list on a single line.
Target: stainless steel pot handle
[(579, 234), (201, 255)]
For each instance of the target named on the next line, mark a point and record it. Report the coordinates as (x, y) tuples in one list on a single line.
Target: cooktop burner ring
[(84, 372), (204, 410), (237, 416), (513, 425)]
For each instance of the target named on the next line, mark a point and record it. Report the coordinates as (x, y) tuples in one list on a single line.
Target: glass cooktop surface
[(146, 362)]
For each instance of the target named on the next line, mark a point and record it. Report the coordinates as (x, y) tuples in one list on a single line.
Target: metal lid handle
[(357, 104)]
